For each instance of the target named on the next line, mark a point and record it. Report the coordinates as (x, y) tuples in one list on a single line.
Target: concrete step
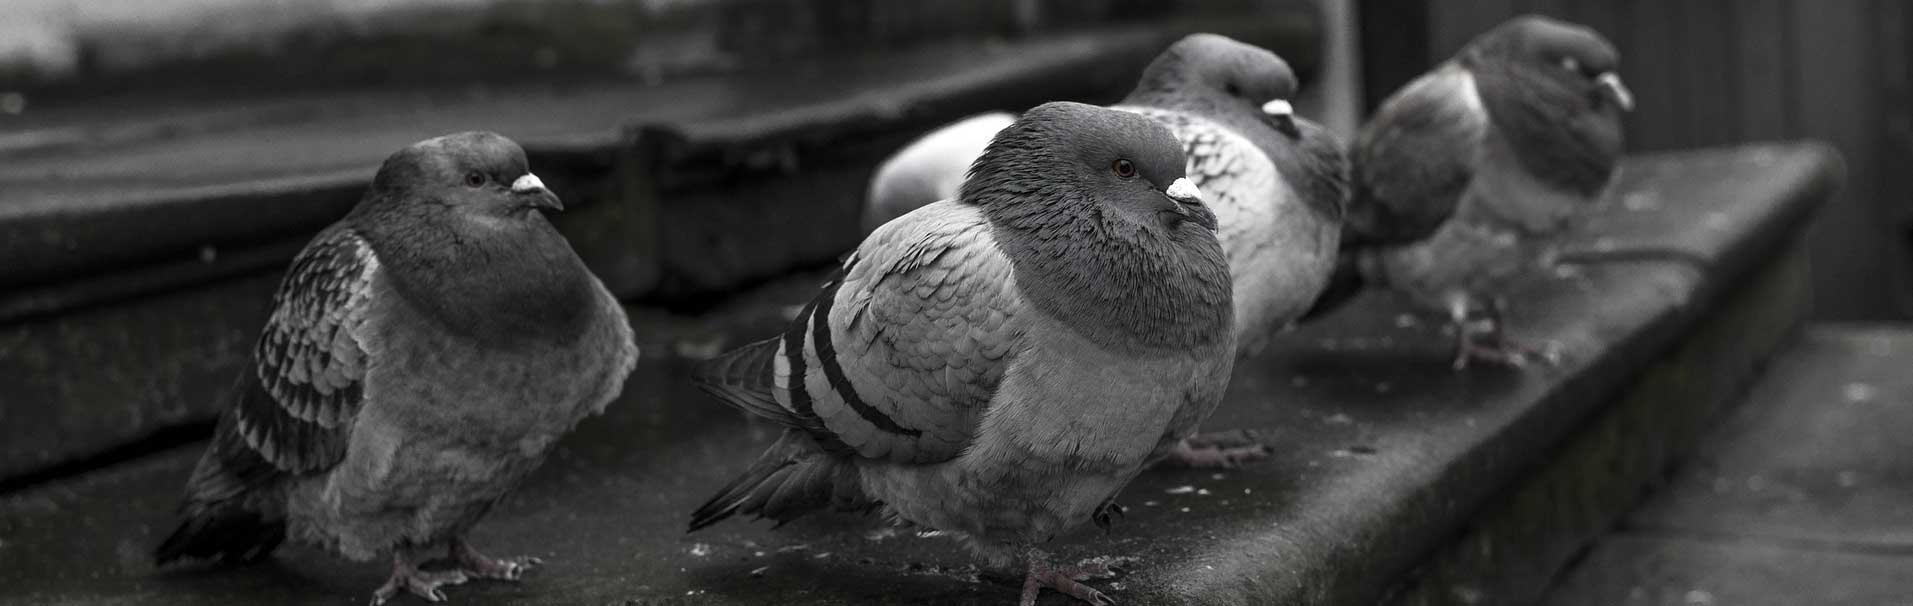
[(1803, 495), (1383, 454)]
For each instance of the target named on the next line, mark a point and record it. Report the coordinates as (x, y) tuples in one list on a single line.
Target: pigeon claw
[(478, 565), (1224, 450), (1065, 580), (1493, 348), (422, 583)]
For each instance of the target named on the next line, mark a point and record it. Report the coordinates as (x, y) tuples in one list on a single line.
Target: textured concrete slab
[(1802, 495), (1819, 454), (1383, 455), (1638, 570), (1512, 550)]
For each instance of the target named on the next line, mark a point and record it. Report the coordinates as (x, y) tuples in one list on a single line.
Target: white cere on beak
[(1612, 82), (1184, 191), (1278, 107), (526, 184)]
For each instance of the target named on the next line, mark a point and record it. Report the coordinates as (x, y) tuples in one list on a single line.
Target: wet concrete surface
[(1382, 453), (1804, 495)]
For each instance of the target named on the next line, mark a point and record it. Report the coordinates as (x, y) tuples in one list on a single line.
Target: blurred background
[(93, 73)]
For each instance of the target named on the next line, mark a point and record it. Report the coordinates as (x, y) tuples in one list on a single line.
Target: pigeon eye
[(475, 179), (1568, 63), (1123, 168)]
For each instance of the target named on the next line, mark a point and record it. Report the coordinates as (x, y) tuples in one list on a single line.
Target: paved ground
[(1804, 495)]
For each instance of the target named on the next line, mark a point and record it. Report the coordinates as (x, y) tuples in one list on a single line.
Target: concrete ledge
[(1793, 497), (1383, 456)]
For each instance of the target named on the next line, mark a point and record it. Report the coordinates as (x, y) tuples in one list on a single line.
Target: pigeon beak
[(1184, 191), (1283, 114), (1611, 84), (1189, 203), (534, 188)]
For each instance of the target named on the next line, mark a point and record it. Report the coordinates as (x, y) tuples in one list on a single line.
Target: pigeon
[(999, 365), (1277, 182), (422, 356), (1462, 177), (928, 169)]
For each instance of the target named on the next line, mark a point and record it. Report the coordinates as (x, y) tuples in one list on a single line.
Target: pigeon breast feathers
[(898, 358)]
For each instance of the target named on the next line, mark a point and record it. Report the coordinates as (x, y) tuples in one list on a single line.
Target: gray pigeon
[(928, 169), (1463, 176), (1000, 365), (423, 355), (1277, 182)]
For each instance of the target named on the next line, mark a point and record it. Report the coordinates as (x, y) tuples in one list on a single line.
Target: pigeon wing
[(1415, 158), (308, 364), (899, 357)]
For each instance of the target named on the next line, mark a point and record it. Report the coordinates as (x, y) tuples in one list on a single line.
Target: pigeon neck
[(500, 280), (1117, 285)]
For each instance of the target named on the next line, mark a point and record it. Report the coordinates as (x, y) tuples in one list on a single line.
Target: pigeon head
[(1571, 55), (1219, 72), (456, 226), (1105, 230), (1074, 158), (473, 172)]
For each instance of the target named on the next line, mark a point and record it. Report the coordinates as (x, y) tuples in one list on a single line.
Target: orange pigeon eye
[(474, 179), (1123, 168)]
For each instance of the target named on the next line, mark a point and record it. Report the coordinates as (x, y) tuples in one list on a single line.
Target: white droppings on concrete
[(1185, 489), (1848, 478), (1857, 392)]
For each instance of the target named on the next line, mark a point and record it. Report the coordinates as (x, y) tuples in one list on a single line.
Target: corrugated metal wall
[(1716, 72)]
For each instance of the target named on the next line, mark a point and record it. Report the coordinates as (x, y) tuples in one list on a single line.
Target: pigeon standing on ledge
[(1000, 365), (423, 355), (1277, 183), (1465, 176)]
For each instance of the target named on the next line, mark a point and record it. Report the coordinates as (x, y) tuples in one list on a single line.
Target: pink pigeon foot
[(407, 576), (1064, 580), (478, 565), (1219, 450)]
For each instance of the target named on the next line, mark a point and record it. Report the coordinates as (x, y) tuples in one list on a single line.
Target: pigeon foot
[(407, 576), (1219, 450), (478, 565), (1064, 580)]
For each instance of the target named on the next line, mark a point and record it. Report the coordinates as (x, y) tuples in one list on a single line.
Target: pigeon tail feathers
[(226, 531), (792, 478), (744, 378)]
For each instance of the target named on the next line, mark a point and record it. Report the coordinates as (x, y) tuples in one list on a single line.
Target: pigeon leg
[(1219, 450), (407, 576), (1106, 513), (1064, 579), (1481, 338), (479, 565)]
